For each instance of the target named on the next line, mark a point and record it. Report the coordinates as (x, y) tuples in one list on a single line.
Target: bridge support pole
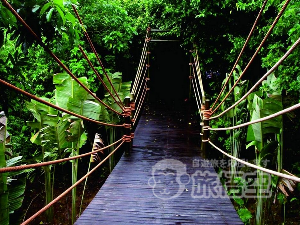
[(205, 132), (127, 130)]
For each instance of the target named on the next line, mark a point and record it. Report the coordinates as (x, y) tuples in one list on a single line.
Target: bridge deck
[(129, 195)]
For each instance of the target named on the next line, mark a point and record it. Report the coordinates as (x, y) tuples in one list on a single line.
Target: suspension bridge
[(162, 177)]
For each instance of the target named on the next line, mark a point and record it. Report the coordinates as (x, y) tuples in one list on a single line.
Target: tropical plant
[(265, 136), (12, 185), (123, 90), (71, 96)]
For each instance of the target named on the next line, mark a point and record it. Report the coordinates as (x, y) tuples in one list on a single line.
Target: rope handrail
[(35, 165), (140, 105), (31, 96), (140, 102), (71, 187), (198, 73), (99, 77), (140, 68), (43, 45), (254, 55), (241, 52), (97, 56), (261, 79), (294, 178), (196, 92), (199, 83), (294, 107), (142, 83)]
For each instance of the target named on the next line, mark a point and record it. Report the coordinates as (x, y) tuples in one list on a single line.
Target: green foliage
[(244, 214), (4, 216)]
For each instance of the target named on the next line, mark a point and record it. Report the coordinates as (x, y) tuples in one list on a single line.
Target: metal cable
[(96, 54), (256, 52), (261, 79), (41, 43), (243, 49), (294, 178), (70, 188), (35, 165), (31, 96)]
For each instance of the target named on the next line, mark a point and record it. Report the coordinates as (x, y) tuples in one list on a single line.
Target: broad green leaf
[(83, 139), (70, 18), (61, 13), (35, 8), (16, 195), (45, 7), (36, 139), (60, 3), (49, 14), (13, 161), (34, 125)]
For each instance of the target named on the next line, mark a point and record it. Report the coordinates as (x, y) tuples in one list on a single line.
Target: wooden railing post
[(127, 129), (205, 125)]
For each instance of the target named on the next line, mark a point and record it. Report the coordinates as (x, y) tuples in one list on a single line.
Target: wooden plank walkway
[(163, 181)]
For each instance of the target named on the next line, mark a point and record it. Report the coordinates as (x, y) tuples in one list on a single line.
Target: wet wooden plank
[(160, 183)]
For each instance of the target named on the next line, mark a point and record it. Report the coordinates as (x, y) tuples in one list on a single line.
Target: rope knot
[(126, 111), (127, 126), (126, 138), (206, 140), (207, 113)]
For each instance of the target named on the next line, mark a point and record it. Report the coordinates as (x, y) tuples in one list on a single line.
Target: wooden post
[(205, 125), (127, 130)]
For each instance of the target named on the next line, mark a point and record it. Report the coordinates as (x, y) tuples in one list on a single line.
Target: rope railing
[(294, 178), (198, 84), (142, 64), (287, 110), (193, 76), (99, 60), (279, 62), (31, 96), (198, 73), (99, 77), (71, 187), (255, 54), (241, 52), (60, 63), (141, 84), (140, 105), (140, 67), (198, 99), (36, 165), (206, 112)]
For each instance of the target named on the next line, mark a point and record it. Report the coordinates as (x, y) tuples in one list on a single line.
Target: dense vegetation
[(117, 27)]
